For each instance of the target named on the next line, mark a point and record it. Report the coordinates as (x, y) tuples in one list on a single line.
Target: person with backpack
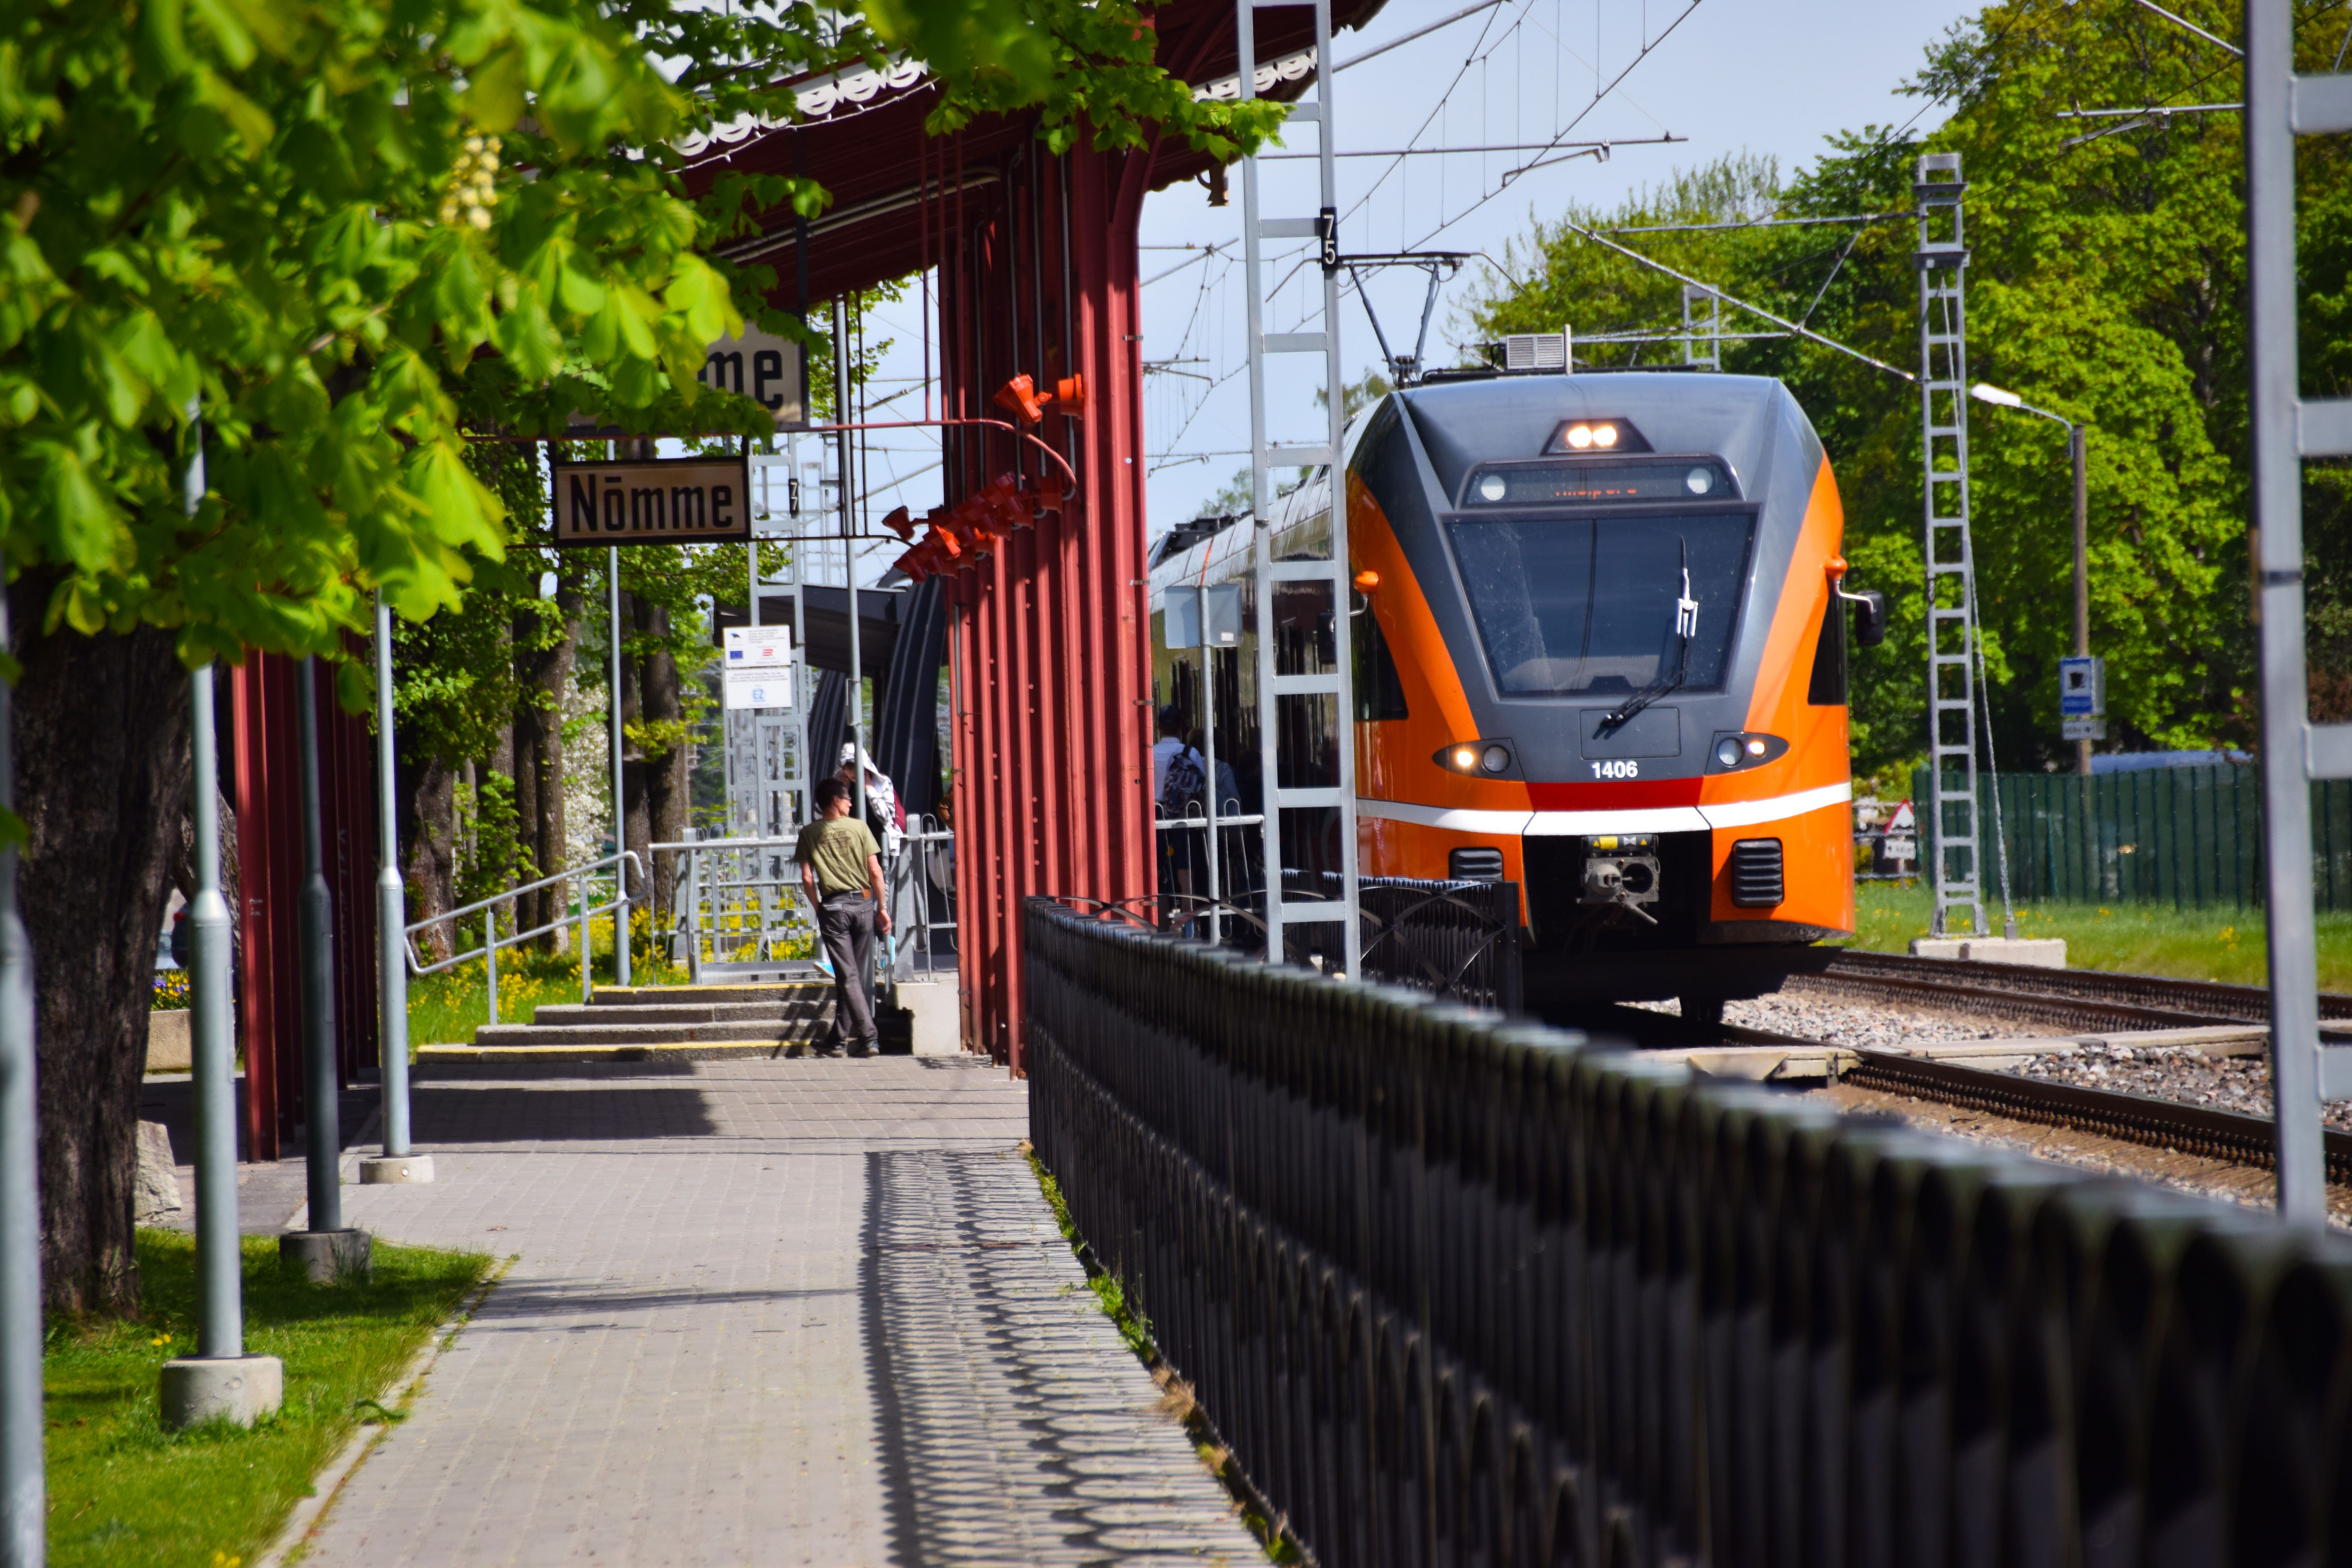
[(1180, 783), (841, 872)]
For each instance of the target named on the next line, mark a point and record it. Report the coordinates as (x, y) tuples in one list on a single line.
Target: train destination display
[(666, 501)]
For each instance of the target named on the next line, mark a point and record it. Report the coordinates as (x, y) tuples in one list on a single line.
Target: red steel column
[(1003, 782), (253, 719)]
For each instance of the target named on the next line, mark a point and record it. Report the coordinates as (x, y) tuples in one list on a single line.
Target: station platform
[(774, 1311)]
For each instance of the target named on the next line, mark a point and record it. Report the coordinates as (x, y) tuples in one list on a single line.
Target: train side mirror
[(1869, 616)]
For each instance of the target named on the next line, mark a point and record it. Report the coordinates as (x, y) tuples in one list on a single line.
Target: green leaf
[(229, 33), (496, 93)]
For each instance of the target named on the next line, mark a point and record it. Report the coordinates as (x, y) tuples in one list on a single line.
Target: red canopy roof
[(863, 139)]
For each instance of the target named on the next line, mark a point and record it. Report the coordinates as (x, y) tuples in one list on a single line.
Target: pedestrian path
[(764, 1312)]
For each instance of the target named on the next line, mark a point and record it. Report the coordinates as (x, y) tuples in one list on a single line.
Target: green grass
[(2214, 944), (124, 1492)]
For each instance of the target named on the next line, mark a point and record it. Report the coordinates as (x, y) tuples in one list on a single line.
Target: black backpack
[(1184, 785)]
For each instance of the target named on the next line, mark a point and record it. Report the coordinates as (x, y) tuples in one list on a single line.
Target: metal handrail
[(493, 940), (569, 873)]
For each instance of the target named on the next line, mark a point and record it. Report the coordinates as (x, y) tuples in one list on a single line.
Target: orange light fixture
[(1019, 396), (1367, 580)]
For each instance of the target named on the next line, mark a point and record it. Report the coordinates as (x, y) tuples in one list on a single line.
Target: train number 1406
[(1617, 770)]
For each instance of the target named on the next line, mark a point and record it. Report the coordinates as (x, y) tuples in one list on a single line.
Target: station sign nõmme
[(659, 501)]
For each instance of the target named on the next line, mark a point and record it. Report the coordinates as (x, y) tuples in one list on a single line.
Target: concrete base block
[(326, 1257), (939, 1024), (157, 1193), (238, 1389), (387, 1168), (168, 1048), (2037, 953)]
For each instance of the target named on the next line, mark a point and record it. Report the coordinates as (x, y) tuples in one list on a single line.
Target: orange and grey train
[(1601, 642)]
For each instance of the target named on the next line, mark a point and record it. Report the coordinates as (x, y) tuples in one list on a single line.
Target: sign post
[(757, 668), (2082, 697)]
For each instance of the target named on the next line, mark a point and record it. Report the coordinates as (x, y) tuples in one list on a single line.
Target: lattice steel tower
[(1297, 785), (1943, 258), (2287, 428)]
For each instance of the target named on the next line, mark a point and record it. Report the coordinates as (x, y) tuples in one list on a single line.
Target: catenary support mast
[(1306, 752), (2286, 429)]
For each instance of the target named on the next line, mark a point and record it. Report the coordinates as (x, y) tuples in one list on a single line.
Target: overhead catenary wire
[(1732, 300)]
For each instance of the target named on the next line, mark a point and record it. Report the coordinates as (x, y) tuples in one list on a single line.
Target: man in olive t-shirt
[(841, 870)]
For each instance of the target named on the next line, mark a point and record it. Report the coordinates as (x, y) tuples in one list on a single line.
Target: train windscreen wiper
[(1686, 628)]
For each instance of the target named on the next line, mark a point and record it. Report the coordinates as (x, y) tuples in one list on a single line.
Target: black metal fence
[(1460, 1293), (1457, 941), (2190, 837)]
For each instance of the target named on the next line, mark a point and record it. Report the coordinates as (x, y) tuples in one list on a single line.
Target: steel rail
[(2062, 996), (2178, 1125)]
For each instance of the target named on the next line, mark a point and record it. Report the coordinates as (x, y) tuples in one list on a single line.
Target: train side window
[(1379, 694), (1828, 688)]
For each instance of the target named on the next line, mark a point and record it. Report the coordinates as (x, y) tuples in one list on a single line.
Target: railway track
[(2176, 1125), (2089, 1002), (2068, 998)]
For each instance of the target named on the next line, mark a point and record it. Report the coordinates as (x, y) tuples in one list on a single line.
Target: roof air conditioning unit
[(1537, 350)]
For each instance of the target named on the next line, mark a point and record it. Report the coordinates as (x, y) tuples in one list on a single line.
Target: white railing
[(580, 909), (739, 903)]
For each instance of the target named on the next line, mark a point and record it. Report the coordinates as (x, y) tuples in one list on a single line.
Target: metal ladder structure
[(1942, 259), (1702, 335), (2286, 429), (1292, 794), (767, 748)]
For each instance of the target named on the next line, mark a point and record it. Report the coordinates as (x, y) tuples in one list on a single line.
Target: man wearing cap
[(841, 870)]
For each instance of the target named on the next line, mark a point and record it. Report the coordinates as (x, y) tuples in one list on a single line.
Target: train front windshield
[(1572, 607)]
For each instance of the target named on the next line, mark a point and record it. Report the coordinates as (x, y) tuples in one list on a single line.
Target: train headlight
[(1700, 480), (1493, 488), (1579, 436), (1479, 759), (1736, 751), (1604, 436)]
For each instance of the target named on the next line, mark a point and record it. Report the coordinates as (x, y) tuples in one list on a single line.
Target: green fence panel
[(2190, 838)]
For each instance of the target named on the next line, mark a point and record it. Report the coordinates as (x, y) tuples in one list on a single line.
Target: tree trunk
[(102, 783), (657, 786), (431, 788), (546, 677), (638, 832)]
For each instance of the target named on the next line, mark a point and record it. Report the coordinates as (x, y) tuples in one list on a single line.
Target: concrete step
[(503, 1061), (781, 1014), (706, 996), (622, 1033)]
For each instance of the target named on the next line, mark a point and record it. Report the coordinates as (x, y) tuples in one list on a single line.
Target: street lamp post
[(2076, 448), (324, 1249), (398, 1163)]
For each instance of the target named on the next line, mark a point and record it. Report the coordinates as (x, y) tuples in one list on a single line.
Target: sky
[(1772, 76)]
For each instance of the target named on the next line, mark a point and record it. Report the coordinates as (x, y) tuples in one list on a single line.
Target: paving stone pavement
[(765, 1312)]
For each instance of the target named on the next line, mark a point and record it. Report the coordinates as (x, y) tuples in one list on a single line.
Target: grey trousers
[(846, 922)]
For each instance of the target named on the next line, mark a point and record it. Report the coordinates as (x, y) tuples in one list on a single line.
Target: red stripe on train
[(1629, 795)]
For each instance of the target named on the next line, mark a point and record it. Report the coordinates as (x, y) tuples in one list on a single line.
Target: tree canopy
[(352, 232), (2104, 284)]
